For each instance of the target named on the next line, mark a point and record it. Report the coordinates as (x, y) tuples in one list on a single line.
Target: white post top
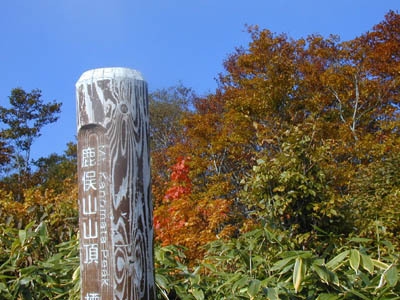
[(110, 73), (99, 92)]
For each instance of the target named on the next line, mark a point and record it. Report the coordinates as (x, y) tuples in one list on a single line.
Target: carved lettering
[(89, 180), (92, 296), (89, 207), (89, 229), (88, 157), (91, 253)]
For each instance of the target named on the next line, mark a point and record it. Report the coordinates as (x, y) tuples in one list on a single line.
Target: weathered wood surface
[(116, 231)]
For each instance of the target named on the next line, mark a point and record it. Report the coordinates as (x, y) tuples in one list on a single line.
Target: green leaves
[(392, 276), (259, 264), (279, 272), (31, 271), (325, 275), (290, 189), (254, 288)]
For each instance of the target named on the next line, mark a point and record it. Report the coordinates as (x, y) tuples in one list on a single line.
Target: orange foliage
[(182, 220)]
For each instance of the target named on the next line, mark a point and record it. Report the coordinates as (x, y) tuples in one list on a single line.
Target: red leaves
[(180, 181), (182, 220), (180, 171), (176, 192)]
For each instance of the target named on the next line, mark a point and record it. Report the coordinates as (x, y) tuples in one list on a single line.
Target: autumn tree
[(214, 140), (342, 96), (220, 143), (280, 81), (328, 91)]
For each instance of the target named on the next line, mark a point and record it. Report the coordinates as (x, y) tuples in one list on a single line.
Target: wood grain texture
[(114, 185)]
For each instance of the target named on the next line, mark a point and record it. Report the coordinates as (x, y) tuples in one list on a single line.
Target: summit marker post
[(115, 209)]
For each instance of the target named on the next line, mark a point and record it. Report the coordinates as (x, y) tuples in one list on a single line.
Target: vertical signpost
[(115, 210)]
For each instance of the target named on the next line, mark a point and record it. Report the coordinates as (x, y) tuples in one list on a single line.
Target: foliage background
[(283, 184)]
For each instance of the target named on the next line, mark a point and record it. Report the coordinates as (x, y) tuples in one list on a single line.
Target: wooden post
[(115, 210)]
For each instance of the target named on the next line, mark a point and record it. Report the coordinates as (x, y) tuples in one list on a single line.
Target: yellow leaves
[(279, 189), (10, 210), (58, 210)]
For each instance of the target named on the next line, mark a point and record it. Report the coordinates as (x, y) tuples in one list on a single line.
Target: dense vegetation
[(283, 184)]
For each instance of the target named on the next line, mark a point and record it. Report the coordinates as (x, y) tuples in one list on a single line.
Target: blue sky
[(48, 44)]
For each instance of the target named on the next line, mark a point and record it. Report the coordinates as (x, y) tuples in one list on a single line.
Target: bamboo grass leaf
[(354, 259), (298, 273)]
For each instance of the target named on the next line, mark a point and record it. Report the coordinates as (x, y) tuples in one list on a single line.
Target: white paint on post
[(116, 241)]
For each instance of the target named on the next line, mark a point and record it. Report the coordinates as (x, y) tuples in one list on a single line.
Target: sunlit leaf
[(379, 264), (335, 262), (22, 236), (367, 263), (298, 273), (354, 259), (198, 294)]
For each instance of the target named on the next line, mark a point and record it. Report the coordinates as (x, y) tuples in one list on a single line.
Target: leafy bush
[(261, 265), (30, 270), (39, 254)]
